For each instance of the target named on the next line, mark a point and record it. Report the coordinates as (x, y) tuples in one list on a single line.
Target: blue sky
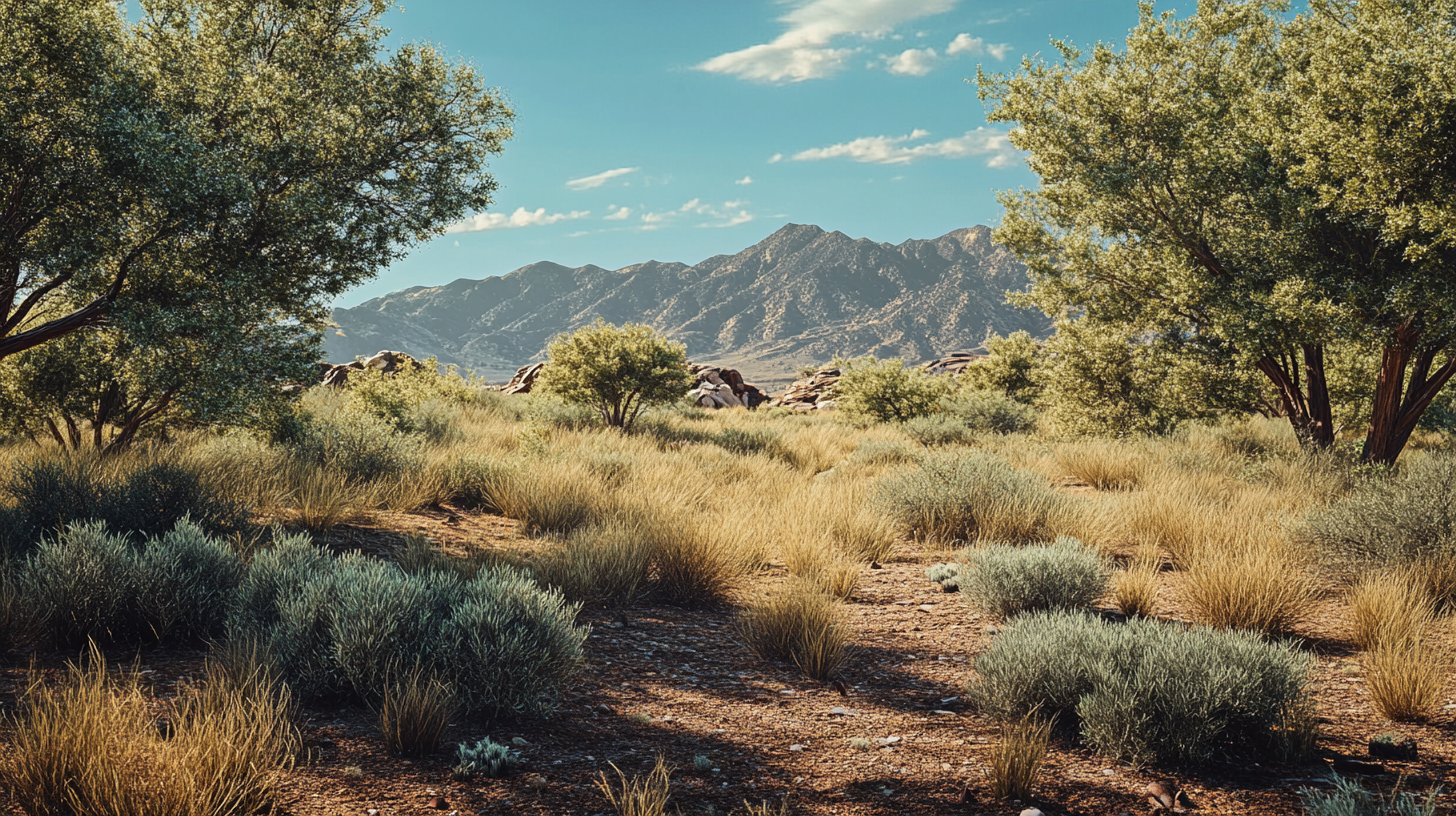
[(675, 130)]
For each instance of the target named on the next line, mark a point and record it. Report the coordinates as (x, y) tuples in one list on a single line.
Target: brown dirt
[(662, 680)]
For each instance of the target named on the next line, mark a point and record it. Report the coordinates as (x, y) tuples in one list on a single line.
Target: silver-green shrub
[(1390, 519), (342, 434), (949, 496), (988, 411), (186, 581), (1006, 581), (1144, 690), (947, 575), (486, 758), (936, 430), (884, 452), (1347, 797)]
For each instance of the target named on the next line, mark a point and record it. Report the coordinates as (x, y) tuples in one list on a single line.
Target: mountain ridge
[(799, 296)]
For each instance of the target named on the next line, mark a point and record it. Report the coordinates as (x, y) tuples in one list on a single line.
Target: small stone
[(1032, 812), (1160, 795), (991, 629), (372, 812), (839, 710), (796, 747), (438, 803), (1393, 746), (787, 692)]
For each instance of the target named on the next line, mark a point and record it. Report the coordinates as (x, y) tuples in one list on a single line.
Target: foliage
[(1017, 757), (485, 758), (954, 497), (1008, 581), (87, 584), (616, 371), (1346, 797), (1009, 368), (886, 390), (185, 160), (988, 411), (1207, 185), (145, 496), (936, 430), (414, 712), (408, 396), (341, 434), (639, 796), (342, 626), (1144, 690), (798, 623)]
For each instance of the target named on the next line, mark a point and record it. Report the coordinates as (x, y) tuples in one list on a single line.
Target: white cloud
[(615, 213), (589, 182), (522, 217), (746, 180), (727, 214), (732, 220), (975, 46), (695, 205), (911, 62), (898, 150), (804, 52), (775, 158)]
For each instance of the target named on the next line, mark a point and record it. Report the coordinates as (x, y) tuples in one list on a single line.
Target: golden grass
[(766, 808), (415, 710), (91, 745), (1103, 464), (600, 565), (799, 623), (320, 499), (645, 795), (1017, 757), (1259, 584), (1390, 607), (1406, 679), (548, 496), (1135, 589)]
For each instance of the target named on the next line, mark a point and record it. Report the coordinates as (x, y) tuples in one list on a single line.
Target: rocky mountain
[(800, 296)]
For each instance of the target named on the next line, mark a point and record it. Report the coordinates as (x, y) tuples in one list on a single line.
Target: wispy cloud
[(911, 62), (522, 217), (615, 213), (728, 214), (589, 182), (975, 46), (745, 181), (904, 149), (775, 158), (804, 50)]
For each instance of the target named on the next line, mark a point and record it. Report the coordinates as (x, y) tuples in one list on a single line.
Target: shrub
[(947, 575), (1144, 690), (751, 440), (936, 430), (186, 582), (1406, 518), (341, 626), (1135, 589), (414, 713), (549, 412), (470, 480), (608, 565), (1102, 464), (141, 496), (950, 497), (798, 623), (1347, 798), (91, 745), (1390, 606), (615, 371), (988, 411), (485, 758), (886, 390), (884, 452), (1008, 581), (1017, 757), (340, 433)]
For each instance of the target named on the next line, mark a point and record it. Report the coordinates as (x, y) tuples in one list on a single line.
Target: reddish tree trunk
[(1401, 400), (1308, 407)]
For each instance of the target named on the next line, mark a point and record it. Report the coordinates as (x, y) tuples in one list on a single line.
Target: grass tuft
[(641, 795), (1017, 758)]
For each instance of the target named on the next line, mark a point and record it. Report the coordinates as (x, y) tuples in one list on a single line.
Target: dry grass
[(1390, 607), (645, 795), (1297, 735), (601, 565), (800, 623), (1405, 679), (415, 710), (766, 808), (1135, 589), (320, 499), (1017, 758), (1258, 584), (1103, 464), (91, 745), (553, 497)]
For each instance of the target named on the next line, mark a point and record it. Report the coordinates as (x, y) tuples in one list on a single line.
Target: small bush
[(1257, 585), (485, 758), (1348, 798), (798, 623), (639, 796), (886, 390), (952, 497), (1142, 691), (470, 480), (1390, 606), (1017, 757), (1135, 590), (1391, 521), (937, 430), (884, 452), (947, 575), (751, 440), (1008, 581), (988, 411), (608, 565), (414, 713), (341, 434), (144, 497)]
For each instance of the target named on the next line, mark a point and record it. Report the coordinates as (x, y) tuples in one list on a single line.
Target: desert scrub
[(601, 565), (1142, 691), (1402, 519), (339, 627), (1348, 798), (988, 411), (645, 795), (485, 758), (1017, 757), (415, 710), (948, 576), (937, 430), (951, 497), (1103, 464), (86, 583), (798, 623), (1006, 581), (340, 433), (1259, 583)]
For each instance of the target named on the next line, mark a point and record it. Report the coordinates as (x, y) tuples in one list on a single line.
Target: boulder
[(524, 380), (719, 387), (812, 393), (953, 363), (389, 361)]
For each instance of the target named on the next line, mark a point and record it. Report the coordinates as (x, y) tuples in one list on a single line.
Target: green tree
[(886, 390), (1180, 190), (272, 147), (618, 371), (1009, 367)]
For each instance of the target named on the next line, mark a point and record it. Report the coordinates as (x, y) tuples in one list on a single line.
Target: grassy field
[(765, 602)]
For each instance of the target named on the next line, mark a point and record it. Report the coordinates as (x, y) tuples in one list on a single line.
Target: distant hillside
[(798, 297)]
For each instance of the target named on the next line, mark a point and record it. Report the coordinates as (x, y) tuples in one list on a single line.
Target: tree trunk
[(1309, 413), (1399, 404)]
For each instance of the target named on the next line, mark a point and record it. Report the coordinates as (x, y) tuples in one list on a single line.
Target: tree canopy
[(619, 371), (1254, 186), (267, 147)]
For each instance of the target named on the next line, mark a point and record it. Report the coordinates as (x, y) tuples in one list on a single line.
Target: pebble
[(839, 710), (787, 692), (1032, 812), (796, 747), (887, 740)]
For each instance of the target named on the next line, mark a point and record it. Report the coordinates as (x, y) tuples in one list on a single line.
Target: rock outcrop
[(385, 361), (524, 380), (953, 363), (812, 393), (719, 387)]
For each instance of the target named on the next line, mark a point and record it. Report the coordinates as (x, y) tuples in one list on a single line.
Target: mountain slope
[(800, 296)]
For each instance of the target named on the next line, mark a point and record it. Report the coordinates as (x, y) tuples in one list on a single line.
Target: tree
[(617, 371), (1008, 367), (1174, 198), (263, 146), (887, 390)]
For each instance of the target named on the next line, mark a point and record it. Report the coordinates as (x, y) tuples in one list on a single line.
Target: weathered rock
[(389, 361), (814, 392), (953, 363), (1393, 746), (524, 380), (719, 387)]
